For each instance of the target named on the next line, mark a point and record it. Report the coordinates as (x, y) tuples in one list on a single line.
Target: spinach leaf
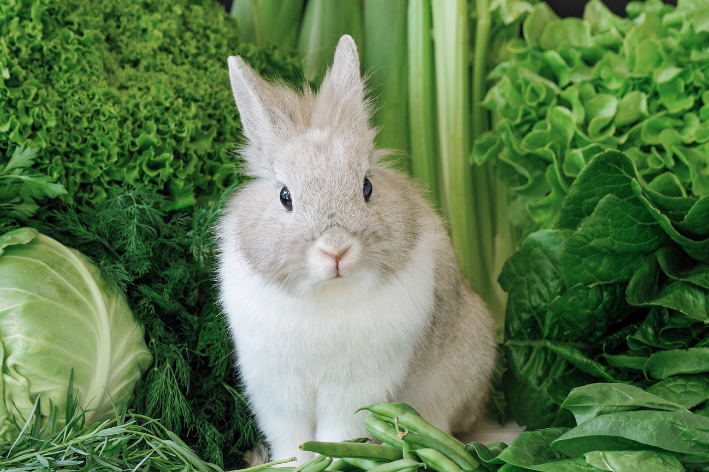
[(631, 461), (663, 364), (686, 390), (678, 432), (591, 401)]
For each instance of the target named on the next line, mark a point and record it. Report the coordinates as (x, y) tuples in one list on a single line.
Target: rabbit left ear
[(262, 118)]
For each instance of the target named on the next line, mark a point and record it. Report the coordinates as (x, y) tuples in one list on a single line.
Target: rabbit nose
[(336, 252)]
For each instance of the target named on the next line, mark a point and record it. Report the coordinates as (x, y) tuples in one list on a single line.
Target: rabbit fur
[(340, 302)]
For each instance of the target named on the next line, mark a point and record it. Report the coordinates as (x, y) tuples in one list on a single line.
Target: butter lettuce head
[(57, 314)]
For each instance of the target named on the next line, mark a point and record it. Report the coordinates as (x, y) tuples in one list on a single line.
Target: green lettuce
[(126, 92), (575, 87)]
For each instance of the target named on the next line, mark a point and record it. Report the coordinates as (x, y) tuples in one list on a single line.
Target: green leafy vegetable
[(607, 295), (126, 92), (594, 400), (125, 441), (163, 261), (21, 188), (59, 316), (575, 87)]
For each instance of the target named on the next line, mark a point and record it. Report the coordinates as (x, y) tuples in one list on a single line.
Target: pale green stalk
[(422, 112), (483, 180), (267, 22), (384, 59), (324, 22), (496, 240), (451, 39)]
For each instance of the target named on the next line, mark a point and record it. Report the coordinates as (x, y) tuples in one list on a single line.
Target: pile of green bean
[(408, 442)]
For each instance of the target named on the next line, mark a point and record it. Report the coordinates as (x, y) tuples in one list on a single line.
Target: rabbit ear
[(260, 117), (345, 67), (342, 94)]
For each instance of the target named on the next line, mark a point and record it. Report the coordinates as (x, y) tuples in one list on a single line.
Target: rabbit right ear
[(261, 119)]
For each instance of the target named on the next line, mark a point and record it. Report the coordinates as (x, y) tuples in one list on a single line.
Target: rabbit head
[(319, 214)]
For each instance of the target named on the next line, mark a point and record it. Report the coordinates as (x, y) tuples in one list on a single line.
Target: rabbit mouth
[(335, 255)]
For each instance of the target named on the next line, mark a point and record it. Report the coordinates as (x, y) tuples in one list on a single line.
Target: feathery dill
[(163, 261), (125, 443)]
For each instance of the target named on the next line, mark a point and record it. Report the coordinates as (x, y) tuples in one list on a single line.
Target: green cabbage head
[(57, 314)]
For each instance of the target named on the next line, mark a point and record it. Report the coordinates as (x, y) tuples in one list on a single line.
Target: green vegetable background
[(571, 157)]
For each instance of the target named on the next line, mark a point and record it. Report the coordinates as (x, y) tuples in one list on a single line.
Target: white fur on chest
[(359, 337)]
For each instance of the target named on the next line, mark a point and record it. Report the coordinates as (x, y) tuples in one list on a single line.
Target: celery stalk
[(422, 105), (451, 39), (267, 22), (384, 59), (324, 22)]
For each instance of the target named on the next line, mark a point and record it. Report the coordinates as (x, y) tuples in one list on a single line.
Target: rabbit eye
[(286, 199), (367, 189)]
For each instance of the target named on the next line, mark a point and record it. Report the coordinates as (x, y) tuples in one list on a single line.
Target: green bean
[(402, 465), (315, 460), (357, 440), (437, 460), (365, 451), (430, 443), (383, 431), (318, 466), (388, 412), (342, 466), (406, 407), (364, 464)]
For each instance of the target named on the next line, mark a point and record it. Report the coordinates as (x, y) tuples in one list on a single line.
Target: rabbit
[(337, 278)]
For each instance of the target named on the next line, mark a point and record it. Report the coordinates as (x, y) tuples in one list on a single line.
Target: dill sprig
[(128, 442), (164, 262)]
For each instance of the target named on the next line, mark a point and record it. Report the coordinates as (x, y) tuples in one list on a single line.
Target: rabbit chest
[(365, 331)]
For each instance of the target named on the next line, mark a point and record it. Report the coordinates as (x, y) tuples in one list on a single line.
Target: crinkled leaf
[(647, 289), (663, 329), (608, 173), (585, 314), (607, 245)]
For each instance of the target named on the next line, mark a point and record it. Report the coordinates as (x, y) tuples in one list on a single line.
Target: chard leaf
[(598, 399), (686, 390), (663, 364), (674, 431)]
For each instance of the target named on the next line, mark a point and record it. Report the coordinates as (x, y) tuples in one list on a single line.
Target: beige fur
[(318, 335)]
